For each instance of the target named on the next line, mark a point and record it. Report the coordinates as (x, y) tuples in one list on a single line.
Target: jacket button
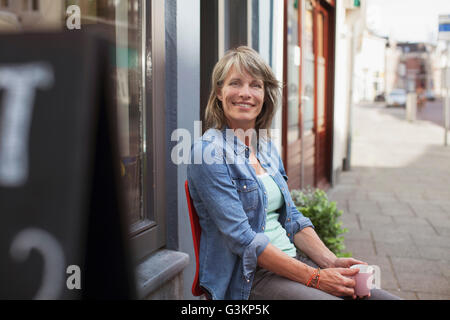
[(245, 187), (263, 228), (289, 234), (289, 219)]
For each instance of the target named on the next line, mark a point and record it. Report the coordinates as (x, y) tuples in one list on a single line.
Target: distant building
[(394, 70), (370, 67), (416, 61), (30, 14)]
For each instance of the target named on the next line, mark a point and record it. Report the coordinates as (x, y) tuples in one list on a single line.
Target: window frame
[(150, 235), (4, 4), (30, 6)]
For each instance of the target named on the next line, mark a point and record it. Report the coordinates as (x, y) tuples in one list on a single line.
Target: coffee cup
[(368, 278)]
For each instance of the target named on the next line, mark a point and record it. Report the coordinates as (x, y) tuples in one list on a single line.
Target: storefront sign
[(444, 27), (62, 230)]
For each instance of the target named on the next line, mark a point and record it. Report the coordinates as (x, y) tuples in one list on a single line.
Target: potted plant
[(324, 215)]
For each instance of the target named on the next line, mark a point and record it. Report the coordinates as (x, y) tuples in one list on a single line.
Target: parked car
[(380, 97), (429, 95), (396, 97)]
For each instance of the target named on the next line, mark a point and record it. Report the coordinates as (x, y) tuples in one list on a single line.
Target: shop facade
[(164, 53), (309, 78)]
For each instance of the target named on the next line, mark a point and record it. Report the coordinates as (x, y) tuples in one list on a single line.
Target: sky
[(407, 20)]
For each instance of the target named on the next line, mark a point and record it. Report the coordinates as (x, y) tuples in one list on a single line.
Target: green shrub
[(324, 215)]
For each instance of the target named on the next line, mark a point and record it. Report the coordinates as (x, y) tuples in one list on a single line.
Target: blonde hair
[(243, 59)]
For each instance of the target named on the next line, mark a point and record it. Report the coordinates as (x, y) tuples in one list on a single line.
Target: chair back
[(196, 233)]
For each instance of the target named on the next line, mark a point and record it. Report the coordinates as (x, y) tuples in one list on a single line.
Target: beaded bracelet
[(315, 277)]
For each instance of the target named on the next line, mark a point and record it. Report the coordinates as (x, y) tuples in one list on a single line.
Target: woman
[(251, 228)]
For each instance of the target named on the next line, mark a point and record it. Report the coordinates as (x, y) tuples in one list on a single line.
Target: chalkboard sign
[(63, 231)]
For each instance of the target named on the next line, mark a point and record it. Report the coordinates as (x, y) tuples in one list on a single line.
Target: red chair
[(196, 233)]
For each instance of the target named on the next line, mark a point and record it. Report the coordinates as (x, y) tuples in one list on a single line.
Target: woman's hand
[(337, 281), (346, 262)]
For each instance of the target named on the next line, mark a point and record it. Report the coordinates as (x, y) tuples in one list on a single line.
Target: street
[(396, 199), (433, 111)]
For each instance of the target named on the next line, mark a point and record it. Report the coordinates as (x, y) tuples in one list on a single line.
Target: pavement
[(432, 111), (396, 200)]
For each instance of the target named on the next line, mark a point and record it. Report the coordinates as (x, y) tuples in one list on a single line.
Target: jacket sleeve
[(300, 221), (215, 189)]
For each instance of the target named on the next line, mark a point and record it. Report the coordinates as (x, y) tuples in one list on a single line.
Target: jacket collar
[(238, 146), (233, 141)]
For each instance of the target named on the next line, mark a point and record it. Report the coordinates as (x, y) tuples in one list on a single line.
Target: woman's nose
[(244, 92)]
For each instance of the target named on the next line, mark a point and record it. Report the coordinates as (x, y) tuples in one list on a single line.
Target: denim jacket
[(231, 204)]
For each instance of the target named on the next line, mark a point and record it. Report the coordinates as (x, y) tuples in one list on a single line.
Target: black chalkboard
[(61, 203)]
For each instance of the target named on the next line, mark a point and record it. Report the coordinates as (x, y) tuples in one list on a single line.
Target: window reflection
[(123, 21), (308, 105), (293, 72)]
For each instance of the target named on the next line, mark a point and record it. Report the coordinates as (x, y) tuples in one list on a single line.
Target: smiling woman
[(250, 227)]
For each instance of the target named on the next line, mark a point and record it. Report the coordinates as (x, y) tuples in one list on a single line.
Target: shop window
[(139, 94), (35, 5), (4, 3), (235, 24), (138, 70), (293, 76), (309, 79), (30, 5)]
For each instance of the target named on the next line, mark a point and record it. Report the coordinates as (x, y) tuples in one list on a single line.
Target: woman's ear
[(219, 94)]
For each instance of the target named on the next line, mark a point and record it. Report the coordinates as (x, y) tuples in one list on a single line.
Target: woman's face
[(242, 99)]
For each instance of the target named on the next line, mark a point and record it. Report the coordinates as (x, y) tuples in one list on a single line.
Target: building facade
[(165, 52)]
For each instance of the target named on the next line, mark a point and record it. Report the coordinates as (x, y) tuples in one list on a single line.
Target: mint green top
[(274, 230)]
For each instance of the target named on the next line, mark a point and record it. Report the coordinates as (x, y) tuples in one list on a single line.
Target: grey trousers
[(270, 286)]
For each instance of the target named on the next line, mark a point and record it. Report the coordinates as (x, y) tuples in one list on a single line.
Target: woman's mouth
[(242, 105)]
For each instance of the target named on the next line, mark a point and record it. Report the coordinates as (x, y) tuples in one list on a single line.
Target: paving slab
[(369, 222), (391, 236), (350, 221), (363, 206), (357, 234), (359, 248), (434, 253), (396, 250), (432, 296), (415, 265), (406, 295), (427, 283), (396, 209), (381, 196), (433, 240)]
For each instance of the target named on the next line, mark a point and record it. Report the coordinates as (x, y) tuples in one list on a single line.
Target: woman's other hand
[(347, 263), (338, 281)]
